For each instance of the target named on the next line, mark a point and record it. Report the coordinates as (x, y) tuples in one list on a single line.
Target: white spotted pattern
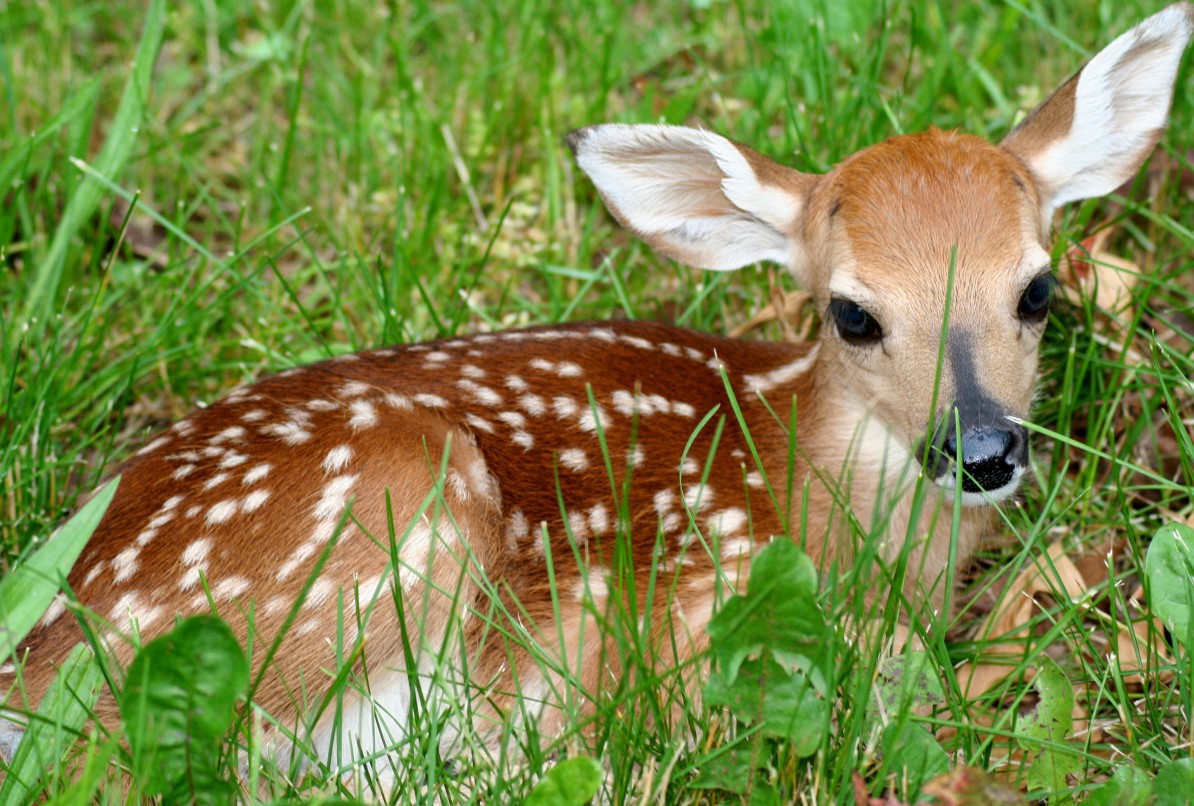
[(337, 459), (257, 473), (574, 459), (364, 415)]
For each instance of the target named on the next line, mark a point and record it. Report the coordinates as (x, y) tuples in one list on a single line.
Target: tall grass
[(296, 180)]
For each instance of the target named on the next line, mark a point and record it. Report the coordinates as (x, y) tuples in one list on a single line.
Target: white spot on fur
[(592, 586), (326, 405), (93, 573), (698, 496), (257, 473), (523, 440), (578, 525), (512, 419), (364, 415), (515, 383), (234, 432), (183, 471), (635, 341), (290, 432), (564, 407), (727, 522), (482, 394), (472, 371), (785, 373), (153, 445), (254, 500), (320, 594), (569, 369), (637, 456), (599, 519), (398, 402), (755, 480), (53, 613), (479, 423), (542, 364), (456, 483), (574, 459), (196, 552), (125, 606), (517, 527), (333, 498), (533, 405), (437, 356), (233, 459), (337, 459), (664, 500), (221, 512), (683, 409), (431, 401), (592, 418), (215, 481), (229, 588)]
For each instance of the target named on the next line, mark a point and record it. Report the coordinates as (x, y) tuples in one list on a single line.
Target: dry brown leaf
[(863, 798), (785, 308), (970, 786), (1093, 270), (1006, 626)]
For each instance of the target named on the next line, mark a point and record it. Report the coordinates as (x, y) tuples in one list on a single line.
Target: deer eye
[(854, 324), (1034, 302)]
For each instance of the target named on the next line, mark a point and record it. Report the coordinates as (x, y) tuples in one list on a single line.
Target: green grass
[(298, 180)]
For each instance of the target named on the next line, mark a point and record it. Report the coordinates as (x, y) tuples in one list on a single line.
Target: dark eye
[(854, 324), (1034, 302)]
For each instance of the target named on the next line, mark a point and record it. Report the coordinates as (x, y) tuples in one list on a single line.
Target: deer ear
[(695, 196), (1093, 133)]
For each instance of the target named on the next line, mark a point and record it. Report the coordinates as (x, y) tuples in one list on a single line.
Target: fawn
[(505, 471)]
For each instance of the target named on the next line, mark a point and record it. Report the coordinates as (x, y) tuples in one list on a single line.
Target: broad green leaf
[(779, 613), (1169, 567), (784, 703), (904, 683), (1046, 730), (730, 770), (178, 703), (1174, 784), (63, 711), (573, 782), (28, 589), (1130, 786), (911, 752)]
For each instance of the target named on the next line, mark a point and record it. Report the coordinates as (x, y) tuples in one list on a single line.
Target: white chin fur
[(947, 483)]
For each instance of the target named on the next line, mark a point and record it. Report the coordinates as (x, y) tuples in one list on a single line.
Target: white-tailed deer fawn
[(507, 473)]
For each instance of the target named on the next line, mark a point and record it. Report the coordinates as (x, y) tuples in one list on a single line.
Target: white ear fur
[(693, 195), (1118, 109)]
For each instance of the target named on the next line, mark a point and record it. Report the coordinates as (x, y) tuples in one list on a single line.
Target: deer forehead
[(899, 211)]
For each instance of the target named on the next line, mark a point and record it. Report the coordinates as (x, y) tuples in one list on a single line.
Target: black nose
[(990, 455)]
